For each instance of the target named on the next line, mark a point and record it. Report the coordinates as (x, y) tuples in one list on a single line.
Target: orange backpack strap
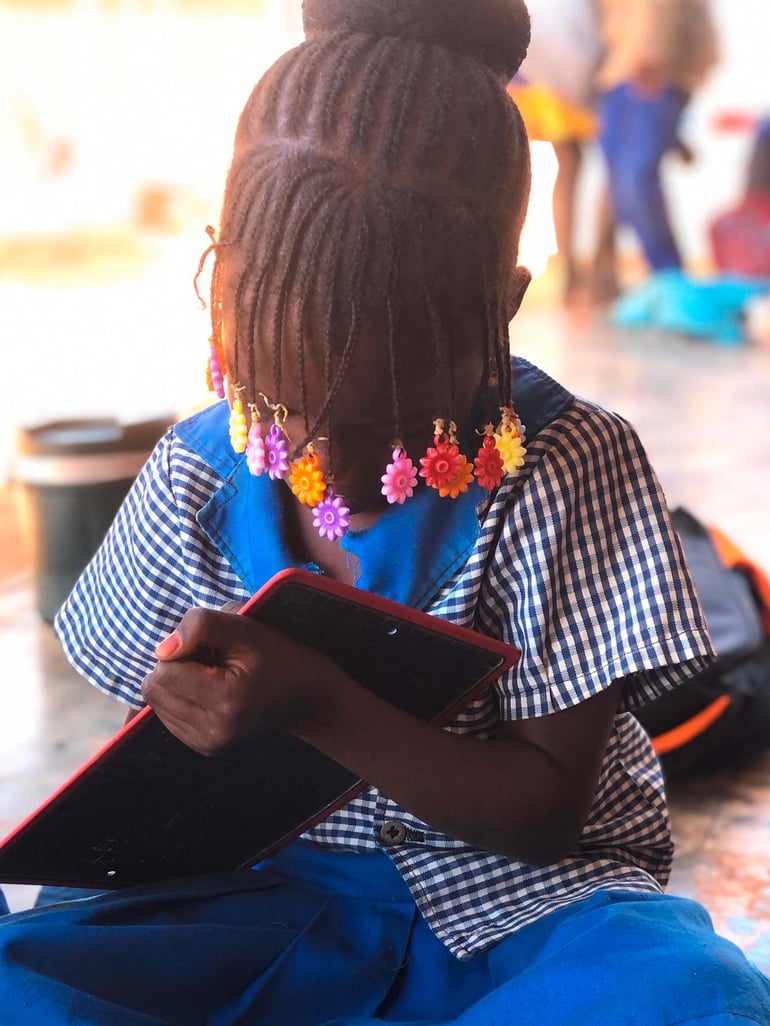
[(736, 559), (685, 732)]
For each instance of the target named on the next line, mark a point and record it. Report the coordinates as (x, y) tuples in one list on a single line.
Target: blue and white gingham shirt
[(573, 561)]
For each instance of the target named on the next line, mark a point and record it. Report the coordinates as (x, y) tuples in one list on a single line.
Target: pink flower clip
[(256, 453), (216, 376), (400, 479)]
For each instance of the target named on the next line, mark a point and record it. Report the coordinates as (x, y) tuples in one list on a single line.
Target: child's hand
[(221, 679)]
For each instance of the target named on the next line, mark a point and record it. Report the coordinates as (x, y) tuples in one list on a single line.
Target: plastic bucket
[(73, 477)]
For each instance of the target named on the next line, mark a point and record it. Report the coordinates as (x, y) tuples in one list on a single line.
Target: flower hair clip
[(215, 378), (400, 478), (238, 430), (276, 443), (256, 456), (489, 463), (443, 466), (331, 517), (441, 463), (306, 478), (509, 442)]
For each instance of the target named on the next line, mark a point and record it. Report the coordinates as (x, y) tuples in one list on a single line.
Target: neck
[(308, 546)]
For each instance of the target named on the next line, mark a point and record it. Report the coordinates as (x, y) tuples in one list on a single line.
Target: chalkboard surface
[(148, 808)]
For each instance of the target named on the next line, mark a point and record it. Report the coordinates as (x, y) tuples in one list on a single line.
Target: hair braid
[(348, 61), (369, 156), (376, 79), (406, 101), (317, 234), (354, 332)]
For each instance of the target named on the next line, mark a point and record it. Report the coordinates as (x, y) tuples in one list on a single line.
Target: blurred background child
[(554, 91), (657, 55)]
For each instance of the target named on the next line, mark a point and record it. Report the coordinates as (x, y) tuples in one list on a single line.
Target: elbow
[(552, 850), (544, 839), (546, 850)]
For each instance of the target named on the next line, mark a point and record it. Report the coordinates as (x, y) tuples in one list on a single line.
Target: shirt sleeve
[(133, 592), (588, 578)]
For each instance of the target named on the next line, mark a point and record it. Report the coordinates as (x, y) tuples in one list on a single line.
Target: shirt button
[(392, 833)]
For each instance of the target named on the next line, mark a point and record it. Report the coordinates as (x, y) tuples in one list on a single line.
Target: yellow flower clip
[(509, 443), (239, 431), (512, 452)]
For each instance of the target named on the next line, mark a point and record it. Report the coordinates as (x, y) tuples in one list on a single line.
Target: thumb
[(202, 634), (191, 636), (169, 647)]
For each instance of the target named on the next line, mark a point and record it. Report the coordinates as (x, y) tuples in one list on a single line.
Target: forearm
[(525, 794), (501, 795)]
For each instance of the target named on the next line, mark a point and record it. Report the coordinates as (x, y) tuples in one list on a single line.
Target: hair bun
[(495, 32)]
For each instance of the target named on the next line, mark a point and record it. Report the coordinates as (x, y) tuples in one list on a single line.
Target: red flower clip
[(442, 463), (489, 465)]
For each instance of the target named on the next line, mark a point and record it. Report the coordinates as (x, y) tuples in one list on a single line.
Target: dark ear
[(520, 280)]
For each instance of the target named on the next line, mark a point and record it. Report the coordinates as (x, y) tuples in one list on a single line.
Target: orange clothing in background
[(549, 118)]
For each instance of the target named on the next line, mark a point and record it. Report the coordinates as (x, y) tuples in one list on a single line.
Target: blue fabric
[(637, 130), (315, 937), (56, 895), (674, 302), (244, 520), (431, 537)]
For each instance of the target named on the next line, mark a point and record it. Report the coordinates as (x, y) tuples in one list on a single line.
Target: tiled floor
[(704, 415)]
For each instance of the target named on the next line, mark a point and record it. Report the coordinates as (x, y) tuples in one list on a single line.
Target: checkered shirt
[(575, 563)]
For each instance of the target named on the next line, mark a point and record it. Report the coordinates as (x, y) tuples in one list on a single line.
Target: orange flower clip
[(306, 479)]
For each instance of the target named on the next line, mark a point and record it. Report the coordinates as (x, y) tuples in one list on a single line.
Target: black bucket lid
[(90, 436)]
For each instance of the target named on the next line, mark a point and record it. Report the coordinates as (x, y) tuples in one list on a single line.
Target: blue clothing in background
[(677, 303), (637, 130)]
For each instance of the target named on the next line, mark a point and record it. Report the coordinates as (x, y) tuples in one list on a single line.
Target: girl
[(509, 869), (554, 91), (657, 55)]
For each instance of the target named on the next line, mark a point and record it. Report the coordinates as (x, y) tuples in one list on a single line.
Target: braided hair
[(377, 190)]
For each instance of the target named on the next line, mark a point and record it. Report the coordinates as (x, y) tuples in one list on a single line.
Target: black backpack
[(723, 713)]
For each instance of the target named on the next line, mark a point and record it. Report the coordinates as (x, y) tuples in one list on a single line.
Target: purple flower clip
[(276, 453), (331, 516)]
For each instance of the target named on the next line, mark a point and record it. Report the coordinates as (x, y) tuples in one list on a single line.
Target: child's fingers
[(180, 712), (208, 708), (185, 685), (222, 678)]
